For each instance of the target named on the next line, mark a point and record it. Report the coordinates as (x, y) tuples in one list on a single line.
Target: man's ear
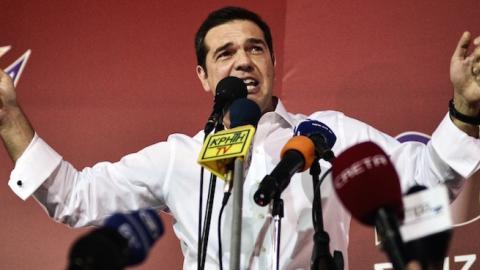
[(202, 76)]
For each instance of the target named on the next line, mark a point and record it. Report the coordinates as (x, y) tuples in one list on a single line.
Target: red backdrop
[(106, 78)]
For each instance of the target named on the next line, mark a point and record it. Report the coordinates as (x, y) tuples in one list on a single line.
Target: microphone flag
[(221, 148)]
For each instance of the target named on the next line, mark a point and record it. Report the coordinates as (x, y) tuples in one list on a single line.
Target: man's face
[(238, 48)]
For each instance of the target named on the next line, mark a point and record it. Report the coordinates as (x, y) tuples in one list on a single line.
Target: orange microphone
[(297, 156)]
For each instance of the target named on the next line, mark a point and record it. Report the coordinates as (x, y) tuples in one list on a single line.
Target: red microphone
[(368, 186)]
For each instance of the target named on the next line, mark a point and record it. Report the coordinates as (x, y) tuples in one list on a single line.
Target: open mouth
[(252, 85)]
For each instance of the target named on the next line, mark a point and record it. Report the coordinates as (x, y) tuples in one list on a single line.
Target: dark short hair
[(225, 15)]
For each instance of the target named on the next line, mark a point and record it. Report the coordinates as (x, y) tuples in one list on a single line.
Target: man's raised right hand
[(15, 129)]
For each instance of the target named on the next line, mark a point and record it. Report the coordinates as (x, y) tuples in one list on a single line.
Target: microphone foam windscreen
[(304, 146), (244, 111), (141, 228), (100, 249), (312, 127), (365, 181), (230, 88)]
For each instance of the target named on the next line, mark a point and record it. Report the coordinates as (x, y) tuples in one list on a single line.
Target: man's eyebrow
[(256, 41), (221, 48), (249, 41)]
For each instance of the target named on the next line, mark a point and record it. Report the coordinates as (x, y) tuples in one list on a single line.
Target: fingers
[(7, 89), (475, 58), (414, 265), (462, 46), (2, 73), (476, 42), (4, 76), (476, 51), (5, 79)]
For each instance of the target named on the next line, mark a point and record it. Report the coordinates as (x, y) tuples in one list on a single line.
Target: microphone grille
[(311, 127), (365, 181), (304, 146), (230, 88), (244, 111)]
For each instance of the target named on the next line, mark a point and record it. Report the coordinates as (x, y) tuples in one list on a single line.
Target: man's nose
[(243, 62)]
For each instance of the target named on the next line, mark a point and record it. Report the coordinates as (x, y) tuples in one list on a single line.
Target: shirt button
[(19, 183)]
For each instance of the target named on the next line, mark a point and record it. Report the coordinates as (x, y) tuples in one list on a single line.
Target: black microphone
[(228, 89), (297, 155), (123, 240)]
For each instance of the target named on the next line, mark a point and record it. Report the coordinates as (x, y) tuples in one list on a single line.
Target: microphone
[(220, 149), (368, 186), (243, 112), (323, 138), (321, 135), (297, 156), (427, 226), (228, 89), (124, 239)]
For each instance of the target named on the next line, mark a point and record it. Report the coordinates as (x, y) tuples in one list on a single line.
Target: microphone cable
[(316, 191), (200, 208), (207, 219), (321, 257), (226, 196), (202, 252)]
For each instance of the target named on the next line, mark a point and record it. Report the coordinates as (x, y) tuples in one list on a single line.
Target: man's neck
[(273, 105)]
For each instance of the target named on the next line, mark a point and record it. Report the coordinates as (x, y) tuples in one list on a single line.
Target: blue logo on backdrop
[(15, 69), (413, 136)]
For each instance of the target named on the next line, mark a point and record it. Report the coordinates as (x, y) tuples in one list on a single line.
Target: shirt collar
[(281, 111)]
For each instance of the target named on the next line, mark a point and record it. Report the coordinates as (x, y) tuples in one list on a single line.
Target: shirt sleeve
[(33, 167), (87, 196), (455, 147), (449, 157)]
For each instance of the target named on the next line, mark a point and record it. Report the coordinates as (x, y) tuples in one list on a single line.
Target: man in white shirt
[(236, 42)]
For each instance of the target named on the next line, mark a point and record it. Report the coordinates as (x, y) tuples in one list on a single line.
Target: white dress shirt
[(166, 176)]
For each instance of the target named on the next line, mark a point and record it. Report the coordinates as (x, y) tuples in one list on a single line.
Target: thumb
[(462, 46)]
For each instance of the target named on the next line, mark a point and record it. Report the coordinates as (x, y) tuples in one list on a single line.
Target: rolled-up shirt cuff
[(33, 167), (460, 151)]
